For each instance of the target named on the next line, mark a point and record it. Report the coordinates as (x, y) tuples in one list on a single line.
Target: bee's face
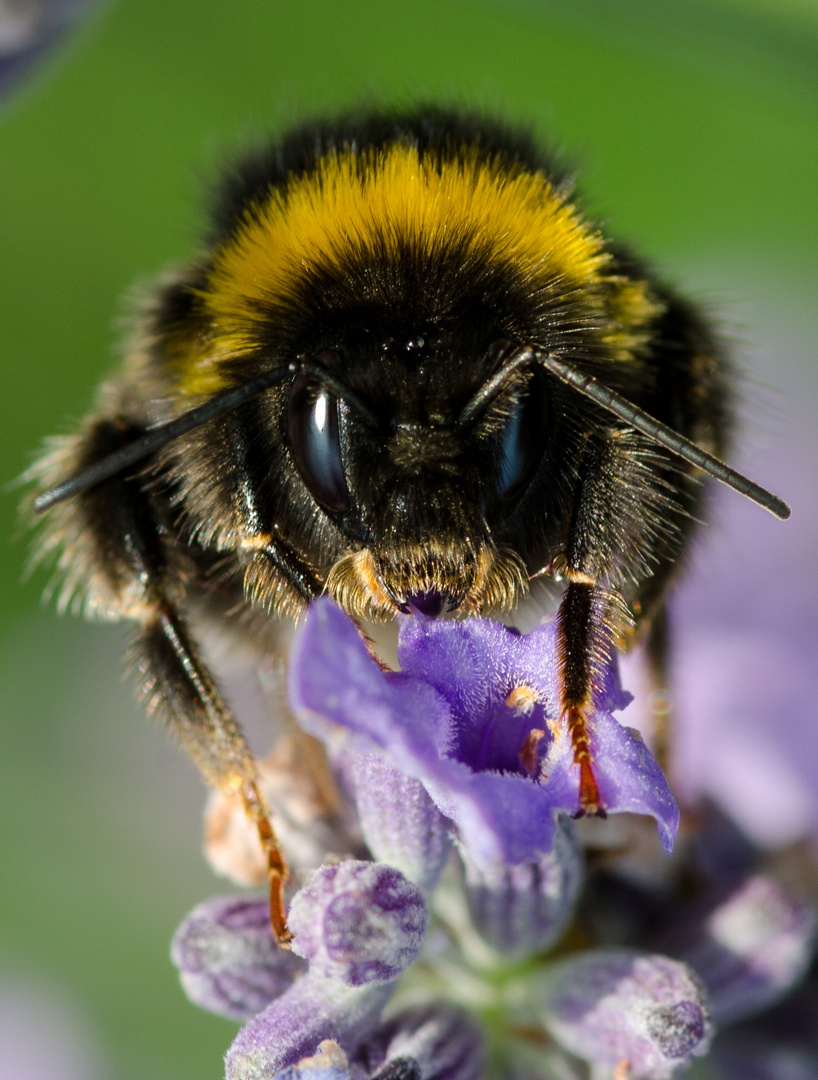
[(398, 286), (419, 495)]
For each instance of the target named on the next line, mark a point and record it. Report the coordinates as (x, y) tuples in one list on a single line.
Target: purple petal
[(629, 777), (475, 663), (228, 962), (359, 922), (340, 693)]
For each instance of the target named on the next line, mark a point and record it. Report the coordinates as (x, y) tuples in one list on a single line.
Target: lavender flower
[(358, 925), (462, 753), (502, 772)]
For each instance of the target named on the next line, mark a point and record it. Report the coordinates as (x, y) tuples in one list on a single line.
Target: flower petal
[(339, 693)]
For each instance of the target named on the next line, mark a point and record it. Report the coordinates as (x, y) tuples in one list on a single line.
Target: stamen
[(529, 753)]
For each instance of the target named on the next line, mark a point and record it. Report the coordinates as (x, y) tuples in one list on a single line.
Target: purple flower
[(473, 715)]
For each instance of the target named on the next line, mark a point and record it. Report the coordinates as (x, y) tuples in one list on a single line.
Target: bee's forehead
[(416, 373)]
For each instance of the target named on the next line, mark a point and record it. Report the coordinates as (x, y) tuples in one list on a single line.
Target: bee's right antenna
[(155, 438), (659, 433)]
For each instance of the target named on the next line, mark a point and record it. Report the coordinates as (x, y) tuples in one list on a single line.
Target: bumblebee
[(405, 369)]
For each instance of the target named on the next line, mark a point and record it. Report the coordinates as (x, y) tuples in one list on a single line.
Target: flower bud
[(750, 949), (294, 1026), (615, 1005), (521, 910), (228, 962), (439, 1040), (358, 922)]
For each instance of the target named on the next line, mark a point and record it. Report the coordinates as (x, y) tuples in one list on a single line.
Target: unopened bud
[(750, 949), (523, 909), (432, 1041), (618, 1005), (228, 962), (358, 922), (400, 823)]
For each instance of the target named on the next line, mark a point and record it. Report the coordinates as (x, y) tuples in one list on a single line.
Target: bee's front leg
[(585, 639), (121, 552), (610, 536)]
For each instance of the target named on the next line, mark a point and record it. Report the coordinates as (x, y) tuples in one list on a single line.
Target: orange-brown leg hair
[(583, 643), (124, 530), (592, 616), (178, 685)]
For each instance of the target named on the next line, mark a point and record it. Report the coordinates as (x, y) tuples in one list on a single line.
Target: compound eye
[(522, 440), (313, 431)]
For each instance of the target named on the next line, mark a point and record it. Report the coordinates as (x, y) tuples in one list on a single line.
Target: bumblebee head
[(419, 484), (400, 278)]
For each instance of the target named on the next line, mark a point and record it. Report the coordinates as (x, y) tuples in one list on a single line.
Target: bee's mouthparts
[(432, 603)]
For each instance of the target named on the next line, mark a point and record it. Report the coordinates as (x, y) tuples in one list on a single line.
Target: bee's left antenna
[(661, 434), (155, 438)]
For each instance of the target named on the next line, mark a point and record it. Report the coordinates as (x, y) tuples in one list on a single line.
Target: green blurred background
[(695, 126)]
